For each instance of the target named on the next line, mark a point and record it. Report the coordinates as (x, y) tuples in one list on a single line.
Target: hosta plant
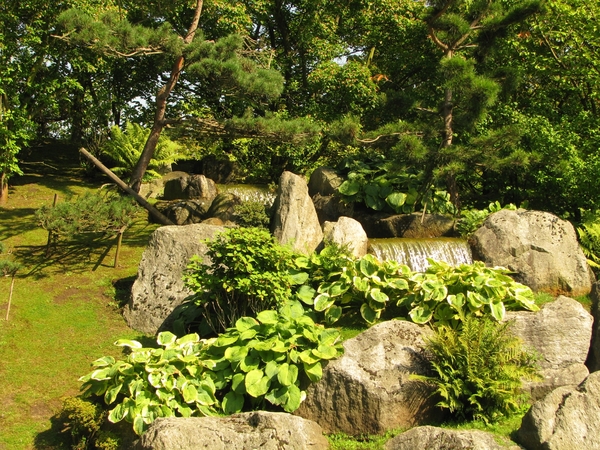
[(257, 362), (447, 295), (365, 285)]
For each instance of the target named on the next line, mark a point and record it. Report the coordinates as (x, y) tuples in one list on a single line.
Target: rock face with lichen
[(541, 249), (368, 390)]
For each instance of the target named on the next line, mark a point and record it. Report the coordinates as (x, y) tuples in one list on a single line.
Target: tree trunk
[(3, 190), (161, 106)]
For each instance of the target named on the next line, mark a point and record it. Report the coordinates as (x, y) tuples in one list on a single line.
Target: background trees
[(491, 100)]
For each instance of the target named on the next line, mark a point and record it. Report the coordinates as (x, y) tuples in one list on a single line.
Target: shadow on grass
[(16, 222)]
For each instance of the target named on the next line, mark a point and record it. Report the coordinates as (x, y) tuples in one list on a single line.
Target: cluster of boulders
[(369, 389)]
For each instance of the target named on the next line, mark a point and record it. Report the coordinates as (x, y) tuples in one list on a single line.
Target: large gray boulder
[(368, 390), (539, 247), (295, 221), (255, 430), (180, 185), (567, 418), (159, 287), (324, 181), (347, 232), (433, 438), (560, 333), (593, 361), (183, 212)]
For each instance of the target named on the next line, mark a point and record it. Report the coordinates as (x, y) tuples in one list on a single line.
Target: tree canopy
[(490, 100)]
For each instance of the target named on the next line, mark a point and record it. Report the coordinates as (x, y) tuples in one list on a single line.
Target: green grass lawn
[(65, 306)]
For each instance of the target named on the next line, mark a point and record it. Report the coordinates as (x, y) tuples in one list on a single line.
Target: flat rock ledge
[(433, 438), (254, 430)]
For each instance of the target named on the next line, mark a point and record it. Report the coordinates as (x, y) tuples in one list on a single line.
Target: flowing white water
[(250, 192), (414, 252)]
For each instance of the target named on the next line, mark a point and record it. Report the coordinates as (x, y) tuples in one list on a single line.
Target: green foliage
[(125, 147), (91, 212), (251, 214), (340, 285), (260, 360), (478, 369), (83, 419), (248, 272), (154, 382), (7, 266), (382, 185), (472, 219), (448, 296), (589, 238)]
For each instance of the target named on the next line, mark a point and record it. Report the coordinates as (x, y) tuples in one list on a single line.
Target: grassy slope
[(64, 311)]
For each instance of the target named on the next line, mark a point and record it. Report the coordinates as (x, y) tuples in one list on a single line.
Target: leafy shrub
[(251, 214), (589, 238), (82, 419), (125, 147), (381, 185), (471, 220), (256, 362), (90, 212), (341, 285), (7, 267), (249, 272), (448, 295), (477, 370)]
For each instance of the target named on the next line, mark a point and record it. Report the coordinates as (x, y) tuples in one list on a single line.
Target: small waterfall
[(250, 192), (414, 252)]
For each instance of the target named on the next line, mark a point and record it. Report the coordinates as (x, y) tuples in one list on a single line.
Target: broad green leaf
[(118, 413), (102, 374), (111, 394), (237, 383), (396, 200), (256, 383), (189, 393), (368, 314), (360, 284), (333, 314), (378, 296), (226, 340), (306, 294), (323, 301), (498, 310), (138, 425), (421, 314), (298, 277), (369, 265), (349, 187), (188, 338), (292, 309), (288, 374), (268, 317), (307, 357), (128, 343), (245, 323), (313, 371), (104, 361), (236, 353), (400, 284), (278, 396), (232, 403), (250, 362), (325, 352), (271, 369), (328, 336), (294, 398), (165, 338), (374, 202), (248, 334)]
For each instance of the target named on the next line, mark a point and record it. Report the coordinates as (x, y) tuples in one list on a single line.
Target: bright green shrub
[(340, 285), (90, 212), (251, 214), (447, 295), (477, 369), (472, 219), (83, 420), (589, 238), (381, 185), (248, 273), (260, 360)]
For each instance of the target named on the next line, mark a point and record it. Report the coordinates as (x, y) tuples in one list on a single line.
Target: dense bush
[(84, 420), (472, 219), (251, 214), (248, 273), (589, 238), (477, 369), (93, 212), (381, 185), (258, 362)]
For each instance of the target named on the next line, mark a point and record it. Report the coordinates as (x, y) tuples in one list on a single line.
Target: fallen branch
[(160, 217)]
